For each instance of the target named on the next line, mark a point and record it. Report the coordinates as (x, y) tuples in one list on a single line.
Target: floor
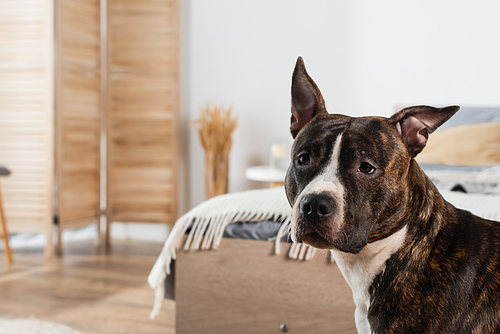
[(88, 289)]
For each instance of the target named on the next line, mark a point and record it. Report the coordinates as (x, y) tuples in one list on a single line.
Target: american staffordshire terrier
[(415, 263)]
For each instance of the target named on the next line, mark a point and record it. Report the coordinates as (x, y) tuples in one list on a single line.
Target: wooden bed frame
[(243, 287)]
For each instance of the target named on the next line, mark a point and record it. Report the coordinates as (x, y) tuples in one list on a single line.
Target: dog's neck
[(425, 210), (359, 270)]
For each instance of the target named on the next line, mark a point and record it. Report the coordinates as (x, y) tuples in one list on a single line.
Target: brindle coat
[(445, 275)]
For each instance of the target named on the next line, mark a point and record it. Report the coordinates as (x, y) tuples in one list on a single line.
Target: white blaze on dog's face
[(325, 191)]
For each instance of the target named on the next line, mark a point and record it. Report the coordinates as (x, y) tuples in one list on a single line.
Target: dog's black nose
[(317, 205)]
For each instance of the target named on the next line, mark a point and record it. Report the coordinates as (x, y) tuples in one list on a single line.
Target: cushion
[(466, 145)]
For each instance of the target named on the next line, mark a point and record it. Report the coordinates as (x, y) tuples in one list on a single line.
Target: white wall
[(367, 56)]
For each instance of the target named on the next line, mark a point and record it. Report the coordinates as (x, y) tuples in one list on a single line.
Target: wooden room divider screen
[(52, 112)]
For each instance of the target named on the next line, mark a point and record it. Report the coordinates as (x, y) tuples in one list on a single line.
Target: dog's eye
[(304, 159), (366, 168)]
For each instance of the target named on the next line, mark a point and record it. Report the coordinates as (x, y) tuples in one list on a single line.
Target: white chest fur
[(360, 269)]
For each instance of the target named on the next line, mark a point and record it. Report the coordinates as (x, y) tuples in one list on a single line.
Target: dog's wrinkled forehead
[(322, 129), (362, 137)]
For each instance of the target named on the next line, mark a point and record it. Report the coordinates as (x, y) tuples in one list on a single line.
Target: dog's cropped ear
[(416, 123), (307, 100)]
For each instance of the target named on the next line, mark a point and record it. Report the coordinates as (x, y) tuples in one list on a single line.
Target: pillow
[(465, 145)]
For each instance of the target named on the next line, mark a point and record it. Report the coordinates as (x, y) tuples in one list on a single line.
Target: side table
[(266, 174)]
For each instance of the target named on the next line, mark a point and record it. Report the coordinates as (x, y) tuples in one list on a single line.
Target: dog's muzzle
[(315, 220)]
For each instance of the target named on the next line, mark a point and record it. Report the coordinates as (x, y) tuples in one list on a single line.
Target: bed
[(254, 281)]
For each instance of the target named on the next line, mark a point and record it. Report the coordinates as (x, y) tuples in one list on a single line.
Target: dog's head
[(347, 181)]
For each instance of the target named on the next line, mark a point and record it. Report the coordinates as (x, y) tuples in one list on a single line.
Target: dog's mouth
[(315, 240)]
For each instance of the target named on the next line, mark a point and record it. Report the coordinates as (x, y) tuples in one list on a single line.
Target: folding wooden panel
[(142, 110), (26, 113), (78, 113)]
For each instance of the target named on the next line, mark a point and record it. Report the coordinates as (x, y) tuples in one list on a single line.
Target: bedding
[(466, 179), (262, 230), (472, 188)]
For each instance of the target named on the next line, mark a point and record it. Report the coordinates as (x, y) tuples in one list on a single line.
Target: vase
[(216, 173)]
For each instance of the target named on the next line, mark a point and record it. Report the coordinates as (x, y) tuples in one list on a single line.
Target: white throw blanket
[(210, 218)]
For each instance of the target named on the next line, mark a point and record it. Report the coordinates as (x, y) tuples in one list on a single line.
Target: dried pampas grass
[(215, 128)]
